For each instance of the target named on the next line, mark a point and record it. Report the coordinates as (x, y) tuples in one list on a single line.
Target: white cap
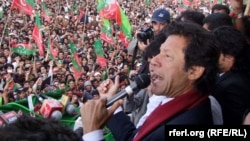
[(97, 73)]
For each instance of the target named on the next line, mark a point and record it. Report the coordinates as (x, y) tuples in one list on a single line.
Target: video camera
[(145, 34)]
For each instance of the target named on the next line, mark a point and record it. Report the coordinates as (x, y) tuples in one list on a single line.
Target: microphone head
[(56, 115), (142, 80), (70, 109)]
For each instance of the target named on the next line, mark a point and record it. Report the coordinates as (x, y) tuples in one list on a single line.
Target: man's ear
[(195, 72)]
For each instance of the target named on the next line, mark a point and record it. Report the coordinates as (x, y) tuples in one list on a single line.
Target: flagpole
[(85, 15), (5, 25)]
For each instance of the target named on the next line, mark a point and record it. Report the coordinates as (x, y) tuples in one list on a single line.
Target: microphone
[(8, 118), (51, 108), (140, 82), (68, 107), (56, 115)]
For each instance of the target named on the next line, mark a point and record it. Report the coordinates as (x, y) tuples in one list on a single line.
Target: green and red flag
[(53, 52), (37, 35), (100, 4), (190, 3), (217, 1), (76, 62), (75, 58), (45, 12), (27, 6), (126, 34), (182, 7), (110, 10), (106, 32), (187, 3), (100, 53), (23, 49)]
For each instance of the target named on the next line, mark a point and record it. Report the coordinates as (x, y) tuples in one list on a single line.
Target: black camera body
[(145, 34)]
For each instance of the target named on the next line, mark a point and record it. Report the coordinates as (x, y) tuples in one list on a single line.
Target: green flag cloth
[(106, 32), (100, 53), (31, 3), (100, 4), (1, 12), (1, 100), (23, 51), (125, 25), (147, 2)]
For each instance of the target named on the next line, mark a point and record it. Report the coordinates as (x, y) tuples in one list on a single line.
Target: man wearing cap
[(160, 18)]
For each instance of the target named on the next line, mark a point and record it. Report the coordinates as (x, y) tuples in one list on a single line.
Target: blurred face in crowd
[(80, 82), (59, 64), (18, 70), (61, 55), (1, 26), (22, 95), (56, 84), (88, 88), (9, 69), (5, 45), (43, 70), (84, 61), (26, 85), (96, 83), (2, 60), (6, 52), (62, 86), (69, 94), (71, 84), (225, 62), (98, 77), (90, 66), (119, 60), (38, 64), (96, 96)]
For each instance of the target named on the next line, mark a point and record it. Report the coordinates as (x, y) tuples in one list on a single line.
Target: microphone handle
[(119, 95)]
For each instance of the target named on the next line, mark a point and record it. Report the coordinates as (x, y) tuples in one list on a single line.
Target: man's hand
[(95, 114), (142, 46), (108, 88)]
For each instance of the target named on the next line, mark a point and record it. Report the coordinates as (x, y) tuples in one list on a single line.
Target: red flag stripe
[(37, 36), (22, 5), (106, 38)]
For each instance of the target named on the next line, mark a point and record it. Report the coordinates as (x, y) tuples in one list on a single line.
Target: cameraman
[(159, 20)]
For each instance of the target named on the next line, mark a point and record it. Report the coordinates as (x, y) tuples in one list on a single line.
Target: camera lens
[(145, 34)]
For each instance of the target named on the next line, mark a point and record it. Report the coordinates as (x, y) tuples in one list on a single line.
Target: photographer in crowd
[(159, 19)]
